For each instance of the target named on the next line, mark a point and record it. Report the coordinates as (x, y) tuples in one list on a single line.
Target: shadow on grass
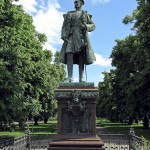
[(43, 128)]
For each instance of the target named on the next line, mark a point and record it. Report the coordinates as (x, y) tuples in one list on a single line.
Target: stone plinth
[(76, 118), (77, 142)]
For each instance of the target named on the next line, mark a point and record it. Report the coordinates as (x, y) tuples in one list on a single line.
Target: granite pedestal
[(76, 118)]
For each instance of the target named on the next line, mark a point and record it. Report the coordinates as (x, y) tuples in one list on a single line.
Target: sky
[(107, 16)]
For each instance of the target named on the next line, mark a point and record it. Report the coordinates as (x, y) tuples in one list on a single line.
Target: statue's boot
[(81, 68), (81, 76)]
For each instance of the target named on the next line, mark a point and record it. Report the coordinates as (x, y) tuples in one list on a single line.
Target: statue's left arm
[(90, 26)]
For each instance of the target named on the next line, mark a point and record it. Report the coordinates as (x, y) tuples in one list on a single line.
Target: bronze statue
[(76, 48)]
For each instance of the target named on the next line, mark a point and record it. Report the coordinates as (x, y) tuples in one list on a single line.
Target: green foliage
[(127, 19), (105, 97), (146, 144), (129, 96), (28, 78)]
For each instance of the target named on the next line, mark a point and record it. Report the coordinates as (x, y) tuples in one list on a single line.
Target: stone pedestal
[(76, 117), (76, 142)]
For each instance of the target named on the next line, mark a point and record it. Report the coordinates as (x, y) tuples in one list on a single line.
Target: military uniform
[(77, 48), (77, 41)]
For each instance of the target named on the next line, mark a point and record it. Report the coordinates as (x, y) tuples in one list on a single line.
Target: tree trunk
[(36, 119), (130, 121), (1, 126), (45, 119), (145, 122)]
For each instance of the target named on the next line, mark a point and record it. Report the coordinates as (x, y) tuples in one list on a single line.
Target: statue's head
[(79, 2)]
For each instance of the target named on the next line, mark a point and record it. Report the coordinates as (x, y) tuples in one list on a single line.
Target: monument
[(77, 48), (76, 129)]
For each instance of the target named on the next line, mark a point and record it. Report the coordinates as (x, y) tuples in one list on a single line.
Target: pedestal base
[(76, 118), (76, 142)]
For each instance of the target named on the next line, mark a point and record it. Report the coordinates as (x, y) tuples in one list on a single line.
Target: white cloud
[(46, 18), (49, 21), (48, 46), (28, 5), (100, 1), (102, 61)]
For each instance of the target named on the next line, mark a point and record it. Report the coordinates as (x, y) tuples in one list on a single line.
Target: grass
[(119, 128), (49, 128)]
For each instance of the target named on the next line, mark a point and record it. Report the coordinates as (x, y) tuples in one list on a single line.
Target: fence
[(111, 142), (136, 143), (115, 141), (40, 141), (19, 143)]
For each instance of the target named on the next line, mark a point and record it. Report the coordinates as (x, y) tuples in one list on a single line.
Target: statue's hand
[(83, 27)]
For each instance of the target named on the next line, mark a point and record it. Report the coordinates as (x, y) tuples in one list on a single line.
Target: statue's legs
[(81, 66), (70, 66)]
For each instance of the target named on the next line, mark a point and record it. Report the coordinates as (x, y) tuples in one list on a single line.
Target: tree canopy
[(28, 77), (130, 79)]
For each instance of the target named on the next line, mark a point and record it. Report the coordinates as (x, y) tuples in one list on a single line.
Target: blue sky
[(107, 16)]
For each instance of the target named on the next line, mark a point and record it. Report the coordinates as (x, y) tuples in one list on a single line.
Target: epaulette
[(90, 15), (84, 11), (64, 15)]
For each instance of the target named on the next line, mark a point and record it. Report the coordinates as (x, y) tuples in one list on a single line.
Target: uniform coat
[(76, 40)]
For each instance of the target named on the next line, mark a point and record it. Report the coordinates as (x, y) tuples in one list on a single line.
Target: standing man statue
[(76, 48)]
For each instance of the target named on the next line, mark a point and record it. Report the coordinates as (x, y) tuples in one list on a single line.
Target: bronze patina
[(76, 48)]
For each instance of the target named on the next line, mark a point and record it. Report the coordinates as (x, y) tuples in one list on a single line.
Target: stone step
[(69, 143), (78, 143), (74, 148)]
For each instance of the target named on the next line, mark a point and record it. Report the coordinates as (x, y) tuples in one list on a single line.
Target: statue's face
[(78, 4)]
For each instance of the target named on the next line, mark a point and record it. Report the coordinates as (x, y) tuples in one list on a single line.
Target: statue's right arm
[(63, 30), (66, 26)]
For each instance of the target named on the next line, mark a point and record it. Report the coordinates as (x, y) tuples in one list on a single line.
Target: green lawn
[(117, 128), (49, 128)]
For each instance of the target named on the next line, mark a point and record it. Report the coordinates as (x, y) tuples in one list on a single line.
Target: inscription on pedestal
[(76, 124)]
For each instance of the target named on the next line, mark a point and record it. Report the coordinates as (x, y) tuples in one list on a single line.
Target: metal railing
[(137, 143), (115, 141), (19, 143), (41, 142)]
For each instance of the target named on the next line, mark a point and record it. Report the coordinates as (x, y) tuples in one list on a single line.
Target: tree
[(27, 77), (123, 58), (105, 101), (141, 27), (131, 59), (48, 101)]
